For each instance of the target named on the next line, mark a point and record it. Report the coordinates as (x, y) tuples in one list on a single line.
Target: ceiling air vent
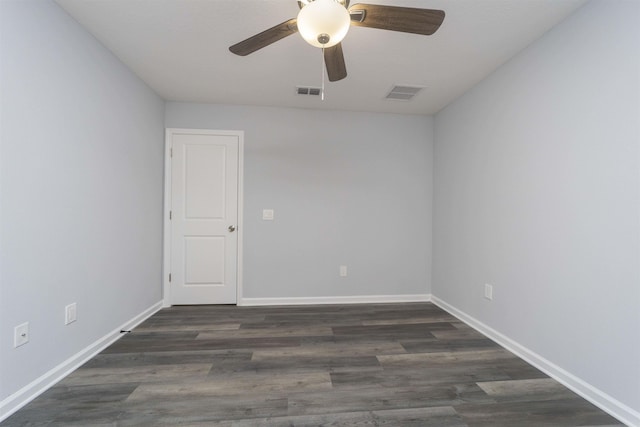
[(403, 93), (315, 91)]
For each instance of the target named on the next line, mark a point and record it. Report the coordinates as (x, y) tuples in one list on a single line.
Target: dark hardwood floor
[(340, 365)]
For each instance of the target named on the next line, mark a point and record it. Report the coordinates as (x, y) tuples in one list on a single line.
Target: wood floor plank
[(457, 334), (201, 327), (518, 369), (212, 357), (556, 412), (391, 332), (238, 384), (413, 417), (205, 411), (447, 346), (136, 374), (407, 320), (445, 358), (194, 344), (272, 333), (304, 364), (331, 349), (417, 377), (379, 397), (527, 390)]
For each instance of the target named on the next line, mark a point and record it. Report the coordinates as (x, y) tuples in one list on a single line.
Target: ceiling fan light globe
[(323, 17)]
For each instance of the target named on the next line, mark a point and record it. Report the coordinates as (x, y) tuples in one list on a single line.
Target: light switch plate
[(488, 291), (70, 313), (343, 271), (267, 214), (21, 334)]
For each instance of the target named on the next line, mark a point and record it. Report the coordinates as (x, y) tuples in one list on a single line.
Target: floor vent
[(403, 93), (315, 91)]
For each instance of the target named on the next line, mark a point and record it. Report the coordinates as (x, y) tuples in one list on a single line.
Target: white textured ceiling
[(180, 48)]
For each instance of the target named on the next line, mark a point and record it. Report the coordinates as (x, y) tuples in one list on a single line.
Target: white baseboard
[(32, 390), (602, 400), (359, 299)]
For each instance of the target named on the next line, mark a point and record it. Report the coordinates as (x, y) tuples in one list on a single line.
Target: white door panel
[(204, 186), (204, 260)]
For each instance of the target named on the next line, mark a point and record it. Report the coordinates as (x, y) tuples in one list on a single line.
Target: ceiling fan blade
[(334, 60), (265, 38), (394, 18)]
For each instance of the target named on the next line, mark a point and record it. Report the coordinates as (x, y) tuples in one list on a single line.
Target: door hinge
[(170, 214), (169, 276), (171, 152)]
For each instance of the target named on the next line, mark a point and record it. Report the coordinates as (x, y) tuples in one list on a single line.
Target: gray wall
[(537, 192), (81, 186), (347, 189)]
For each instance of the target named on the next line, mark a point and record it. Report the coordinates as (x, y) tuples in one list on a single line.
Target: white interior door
[(204, 217)]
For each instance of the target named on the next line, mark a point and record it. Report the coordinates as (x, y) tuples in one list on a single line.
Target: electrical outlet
[(267, 214), (343, 271), (70, 313), (488, 291), (21, 334)]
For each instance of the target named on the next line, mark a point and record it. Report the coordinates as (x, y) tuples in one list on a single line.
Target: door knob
[(231, 229)]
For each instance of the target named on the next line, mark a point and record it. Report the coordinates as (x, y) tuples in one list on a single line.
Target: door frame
[(166, 255)]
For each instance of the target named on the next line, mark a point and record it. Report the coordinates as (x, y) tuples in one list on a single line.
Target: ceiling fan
[(324, 24)]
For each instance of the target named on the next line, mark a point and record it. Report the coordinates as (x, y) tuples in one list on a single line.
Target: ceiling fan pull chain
[(323, 67)]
